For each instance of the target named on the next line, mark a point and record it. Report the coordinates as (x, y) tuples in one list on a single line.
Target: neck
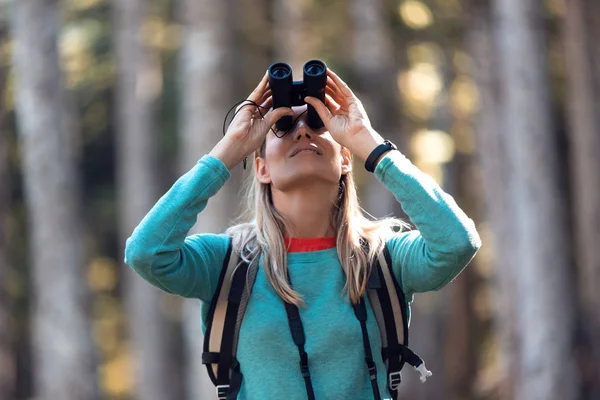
[(308, 210)]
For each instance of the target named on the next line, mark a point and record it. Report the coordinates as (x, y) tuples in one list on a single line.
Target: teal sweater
[(425, 259)]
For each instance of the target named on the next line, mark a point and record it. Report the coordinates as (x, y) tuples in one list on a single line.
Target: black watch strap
[(378, 151)]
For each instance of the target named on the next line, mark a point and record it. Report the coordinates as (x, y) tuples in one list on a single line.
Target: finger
[(340, 83), (274, 115), (260, 89), (245, 108), (334, 95), (334, 87), (331, 104), (321, 108), (264, 97), (268, 103), (263, 109), (250, 106)]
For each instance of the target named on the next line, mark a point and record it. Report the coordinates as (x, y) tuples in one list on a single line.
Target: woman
[(304, 217)]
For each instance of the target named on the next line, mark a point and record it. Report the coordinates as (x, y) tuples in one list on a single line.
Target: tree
[(205, 82), (581, 30), (139, 83), (62, 345), (291, 39), (7, 353), (542, 281), (373, 56), (493, 157)]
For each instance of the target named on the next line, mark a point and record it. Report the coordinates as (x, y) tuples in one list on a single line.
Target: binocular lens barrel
[(315, 80), (280, 70), (314, 68), (281, 82), (287, 93)]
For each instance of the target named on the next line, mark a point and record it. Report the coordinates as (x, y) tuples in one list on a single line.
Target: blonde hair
[(262, 234)]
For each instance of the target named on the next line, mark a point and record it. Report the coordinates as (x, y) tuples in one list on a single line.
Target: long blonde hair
[(260, 232)]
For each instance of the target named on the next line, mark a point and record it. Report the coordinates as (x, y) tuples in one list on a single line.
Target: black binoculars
[(287, 93)]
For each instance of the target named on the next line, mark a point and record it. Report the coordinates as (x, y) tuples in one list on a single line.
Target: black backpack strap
[(223, 323), (360, 311), (389, 306), (236, 375), (297, 331)]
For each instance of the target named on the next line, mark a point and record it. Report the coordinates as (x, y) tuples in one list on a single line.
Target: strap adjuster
[(394, 380), (222, 391), (304, 365), (372, 368)]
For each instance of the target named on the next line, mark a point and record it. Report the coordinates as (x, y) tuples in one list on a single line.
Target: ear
[(261, 170), (346, 161)]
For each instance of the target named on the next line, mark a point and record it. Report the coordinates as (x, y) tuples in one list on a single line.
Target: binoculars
[(287, 93)]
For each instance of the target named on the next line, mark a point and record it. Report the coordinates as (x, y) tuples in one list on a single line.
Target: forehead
[(299, 110)]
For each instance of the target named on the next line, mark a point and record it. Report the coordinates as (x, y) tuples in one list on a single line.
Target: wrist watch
[(378, 151)]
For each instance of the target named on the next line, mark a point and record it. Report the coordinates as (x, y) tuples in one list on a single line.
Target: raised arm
[(446, 238), (158, 249)]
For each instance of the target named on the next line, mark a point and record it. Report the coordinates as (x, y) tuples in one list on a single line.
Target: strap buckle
[(222, 391), (373, 372), (423, 371), (394, 380), (372, 368), (304, 365)]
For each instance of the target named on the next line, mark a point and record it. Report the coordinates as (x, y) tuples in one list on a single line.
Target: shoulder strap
[(224, 319), (389, 306)]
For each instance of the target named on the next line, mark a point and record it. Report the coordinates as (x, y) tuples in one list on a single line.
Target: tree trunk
[(581, 30), (7, 342), (62, 345), (292, 42), (205, 89), (492, 153), (463, 328), (139, 81), (543, 282), (252, 47), (373, 55)]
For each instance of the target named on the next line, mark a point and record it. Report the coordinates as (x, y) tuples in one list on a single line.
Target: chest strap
[(227, 311)]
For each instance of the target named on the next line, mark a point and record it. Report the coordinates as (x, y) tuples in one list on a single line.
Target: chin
[(310, 175)]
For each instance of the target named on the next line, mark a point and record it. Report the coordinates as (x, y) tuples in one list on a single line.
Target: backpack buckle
[(222, 391), (394, 380), (423, 371)]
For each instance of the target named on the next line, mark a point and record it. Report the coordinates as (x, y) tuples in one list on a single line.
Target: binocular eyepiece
[(287, 93)]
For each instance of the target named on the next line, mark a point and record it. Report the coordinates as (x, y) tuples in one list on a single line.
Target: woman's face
[(302, 156)]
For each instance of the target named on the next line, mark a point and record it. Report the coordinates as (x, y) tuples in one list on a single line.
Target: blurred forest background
[(104, 104)]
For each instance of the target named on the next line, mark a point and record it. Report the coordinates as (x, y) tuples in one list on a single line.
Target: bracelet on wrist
[(370, 163)]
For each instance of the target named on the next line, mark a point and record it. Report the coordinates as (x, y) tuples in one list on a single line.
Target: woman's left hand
[(345, 117)]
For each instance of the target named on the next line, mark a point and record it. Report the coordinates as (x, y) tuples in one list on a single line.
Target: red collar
[(309, 244)]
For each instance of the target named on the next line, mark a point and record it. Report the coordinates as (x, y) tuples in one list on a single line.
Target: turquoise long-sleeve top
[(425, 259)]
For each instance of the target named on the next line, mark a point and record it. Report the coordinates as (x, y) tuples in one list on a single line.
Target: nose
[(302, 129)]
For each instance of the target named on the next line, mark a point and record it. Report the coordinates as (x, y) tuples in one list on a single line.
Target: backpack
[(229, 304)]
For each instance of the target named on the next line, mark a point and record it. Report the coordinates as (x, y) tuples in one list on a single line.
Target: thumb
[(320, 107), (276, 114)]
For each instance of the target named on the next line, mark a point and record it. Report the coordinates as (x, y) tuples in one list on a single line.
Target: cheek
[(330, 145), (273, 152)]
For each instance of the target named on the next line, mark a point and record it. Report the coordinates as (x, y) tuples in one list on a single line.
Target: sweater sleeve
[(159, 249), (446, 238)]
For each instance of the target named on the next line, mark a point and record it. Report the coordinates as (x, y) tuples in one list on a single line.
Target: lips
[(311, 148)]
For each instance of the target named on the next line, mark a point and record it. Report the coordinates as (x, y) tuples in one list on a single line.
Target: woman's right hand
[(248, 129)]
